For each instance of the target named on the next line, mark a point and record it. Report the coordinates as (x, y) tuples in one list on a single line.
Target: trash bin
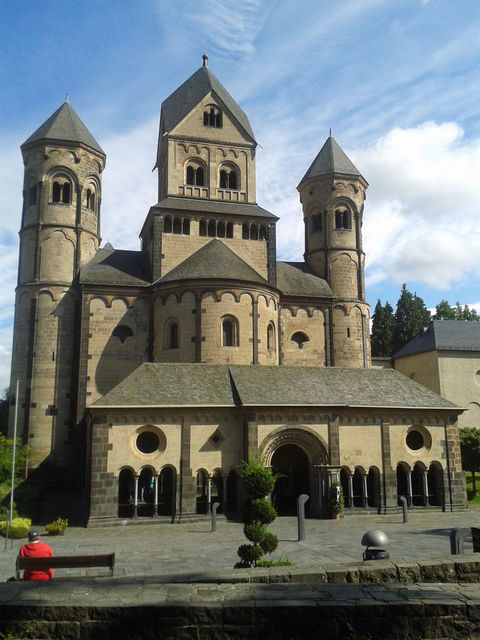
[(476, 539)]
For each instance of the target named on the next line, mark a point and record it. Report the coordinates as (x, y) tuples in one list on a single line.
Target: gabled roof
[(115, 267), (296, 279), (213, 260), (331, 159), (187, 384), (444, 335), (65, 125), (191, 92)]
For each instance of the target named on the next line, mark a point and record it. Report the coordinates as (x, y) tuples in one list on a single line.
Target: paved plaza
[(185, 552)]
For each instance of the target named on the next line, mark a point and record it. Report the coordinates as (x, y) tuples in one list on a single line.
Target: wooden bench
[(65, 562)]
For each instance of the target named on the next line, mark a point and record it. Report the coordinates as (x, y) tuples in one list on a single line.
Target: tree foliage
[(382, 330), (470, 450), (443, 311), (4, 406), (411, 316)]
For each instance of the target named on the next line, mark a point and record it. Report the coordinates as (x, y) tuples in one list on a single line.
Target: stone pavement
[(177, 581), (187, 551)]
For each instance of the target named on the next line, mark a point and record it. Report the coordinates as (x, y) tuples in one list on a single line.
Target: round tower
[(332, 193), (59, 233)]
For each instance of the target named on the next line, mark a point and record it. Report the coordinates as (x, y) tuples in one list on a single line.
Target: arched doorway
[(166, 492), (373, 487), (436, 496), (145, 492), (202, 482), (418, 489), (217, 490), (292, 462), (126, 493), (232, 493), (402, 482)]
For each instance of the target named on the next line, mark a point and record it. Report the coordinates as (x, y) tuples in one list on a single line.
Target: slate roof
[(296, 279), (444, 335), (331, 159), (200, 205), (64, 125), (213, 260), (175, 384), (188, 95), (115, 267)]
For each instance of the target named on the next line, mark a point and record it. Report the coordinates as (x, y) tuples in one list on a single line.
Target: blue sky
[(396, 80)]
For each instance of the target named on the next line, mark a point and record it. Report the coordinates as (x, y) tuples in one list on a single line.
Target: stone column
[(365, 491), (155, 496), (425, 488), (350, 490), (409, 488), (135, 503), (334, 439)]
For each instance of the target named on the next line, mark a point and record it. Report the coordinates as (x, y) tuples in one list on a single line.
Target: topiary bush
[(258, 482)]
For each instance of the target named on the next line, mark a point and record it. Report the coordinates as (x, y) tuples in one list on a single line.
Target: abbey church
[(146, 377)]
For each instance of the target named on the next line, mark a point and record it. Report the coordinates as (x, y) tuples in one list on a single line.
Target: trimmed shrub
[(258, 482), (261, 510), (19, 529)]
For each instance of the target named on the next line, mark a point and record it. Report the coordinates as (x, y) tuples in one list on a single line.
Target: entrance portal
[(292, 462)]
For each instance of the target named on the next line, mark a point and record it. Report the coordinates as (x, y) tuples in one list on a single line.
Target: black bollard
[(457, 540), (403, 500), (301, 500), (215, 506)]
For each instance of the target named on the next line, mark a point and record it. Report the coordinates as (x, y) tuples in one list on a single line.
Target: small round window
[(415, 440), (148, 442)]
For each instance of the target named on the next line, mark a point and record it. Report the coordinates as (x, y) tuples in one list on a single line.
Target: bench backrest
[(66, 562)]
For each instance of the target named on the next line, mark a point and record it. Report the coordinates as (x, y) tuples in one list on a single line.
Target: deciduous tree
[(470, 450)]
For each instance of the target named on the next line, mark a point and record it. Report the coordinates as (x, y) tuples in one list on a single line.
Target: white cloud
[(422, 210)]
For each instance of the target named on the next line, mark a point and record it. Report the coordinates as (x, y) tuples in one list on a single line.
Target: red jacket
[(36, 549)]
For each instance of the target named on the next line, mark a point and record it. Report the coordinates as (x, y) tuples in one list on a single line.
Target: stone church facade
[(146, 377)]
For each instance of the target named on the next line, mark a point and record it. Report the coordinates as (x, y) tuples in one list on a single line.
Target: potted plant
[(57, 527), (335, 500)]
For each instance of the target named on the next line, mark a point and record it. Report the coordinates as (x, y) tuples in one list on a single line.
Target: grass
[(475, 499), (283, 561)]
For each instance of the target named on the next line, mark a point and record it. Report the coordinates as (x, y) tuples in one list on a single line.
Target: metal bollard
[(403, 500), (301, 500), (215, 506), (457, 540)]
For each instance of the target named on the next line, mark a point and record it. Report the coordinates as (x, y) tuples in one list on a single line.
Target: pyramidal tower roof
[(64, 125), (331, 159), (188, 95)]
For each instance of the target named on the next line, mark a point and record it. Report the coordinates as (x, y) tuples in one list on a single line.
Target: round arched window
[(148, 442), (477, 378), (415, 440)]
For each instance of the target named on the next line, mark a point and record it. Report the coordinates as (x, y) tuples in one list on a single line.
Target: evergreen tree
[(382, 330), (443, 311), (411, 316)]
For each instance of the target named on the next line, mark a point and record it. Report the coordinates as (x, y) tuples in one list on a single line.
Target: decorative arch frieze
[(311, 443)]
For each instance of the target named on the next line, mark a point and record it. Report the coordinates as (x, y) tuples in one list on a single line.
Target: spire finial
[(66, 97), (205, 58), (330, 132)]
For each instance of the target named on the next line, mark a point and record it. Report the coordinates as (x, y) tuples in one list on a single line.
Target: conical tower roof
[(188, 95), (331, 159), (65, 125)]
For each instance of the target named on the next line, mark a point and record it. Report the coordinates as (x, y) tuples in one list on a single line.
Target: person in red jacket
[(35, 548)]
